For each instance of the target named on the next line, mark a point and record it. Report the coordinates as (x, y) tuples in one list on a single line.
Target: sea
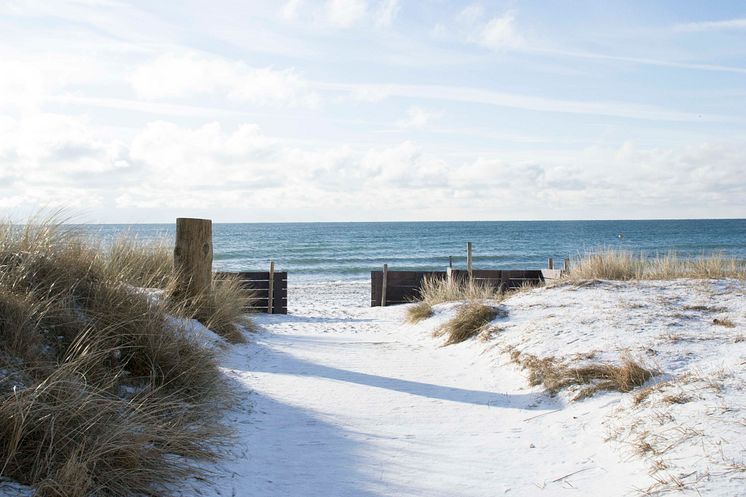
[(324, 252)]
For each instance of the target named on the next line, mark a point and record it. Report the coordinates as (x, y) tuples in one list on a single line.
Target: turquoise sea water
[(346, 251)]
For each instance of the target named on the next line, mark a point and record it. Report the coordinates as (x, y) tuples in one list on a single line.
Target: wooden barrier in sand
[(403, 287), (269, 289)]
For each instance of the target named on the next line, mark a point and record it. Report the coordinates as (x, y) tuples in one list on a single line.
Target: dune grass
[(613, 264), (556, 376), (145, 264), (436, 291), (418, 312), (470, 320), (101, 392)]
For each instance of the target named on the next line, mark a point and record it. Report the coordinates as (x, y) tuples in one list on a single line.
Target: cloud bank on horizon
[(372, 110)]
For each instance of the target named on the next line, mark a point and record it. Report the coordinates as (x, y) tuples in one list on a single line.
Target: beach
[(341, 399)]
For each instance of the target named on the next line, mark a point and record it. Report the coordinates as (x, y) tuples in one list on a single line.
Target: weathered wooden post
[(550, 263), (468, 259), (193, 256), (384, 284), (566, 265), (270, 292), (449, 275)]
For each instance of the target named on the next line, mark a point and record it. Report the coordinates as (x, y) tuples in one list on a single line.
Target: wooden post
[(550, 263), (468, 259), (193, 256), (450, 261), (566, 265), (384, 284), (270, 293), (449, 276)]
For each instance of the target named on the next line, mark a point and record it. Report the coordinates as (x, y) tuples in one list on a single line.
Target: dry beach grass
[(437, 291), (102, 390), (625, 265), (470, 320)]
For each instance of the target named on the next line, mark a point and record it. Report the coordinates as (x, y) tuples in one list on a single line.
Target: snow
[(340, 399), (343, 399)]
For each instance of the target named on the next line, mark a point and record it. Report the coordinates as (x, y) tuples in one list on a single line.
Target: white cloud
[(290, 9), (190, 75), (387, 12), (345, 13), (169, 166), (725, 25), (418, 118), (629, 110), (500, 33), (470, 14)]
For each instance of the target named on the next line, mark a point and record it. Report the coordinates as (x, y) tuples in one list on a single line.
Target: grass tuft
[(223, 309), (725, 322), (555, 376), (436, 291), (418, 312), (470, 320), (615, 264)]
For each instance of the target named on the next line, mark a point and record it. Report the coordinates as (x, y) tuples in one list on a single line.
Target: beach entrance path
[(340, 399)]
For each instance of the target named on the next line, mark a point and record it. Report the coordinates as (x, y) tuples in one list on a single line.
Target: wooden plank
[(258, 283), (271, 286), (469, 260), (280, 295), (384, 284)]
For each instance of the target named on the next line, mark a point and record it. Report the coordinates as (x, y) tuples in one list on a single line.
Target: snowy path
[(345, 400)]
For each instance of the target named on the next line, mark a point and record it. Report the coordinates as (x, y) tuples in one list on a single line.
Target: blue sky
[(373, 110)]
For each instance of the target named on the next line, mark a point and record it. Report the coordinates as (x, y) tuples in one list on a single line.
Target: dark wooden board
[(404, 286), (258, 283)]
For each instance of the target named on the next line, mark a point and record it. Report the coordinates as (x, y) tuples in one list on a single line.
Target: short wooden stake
[(449, 276), (468, 259), (566, 265), (384, 284), (550, 263), (193, 256), (271, 292)]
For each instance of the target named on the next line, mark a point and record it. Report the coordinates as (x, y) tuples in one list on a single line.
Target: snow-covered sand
[(341, 399)]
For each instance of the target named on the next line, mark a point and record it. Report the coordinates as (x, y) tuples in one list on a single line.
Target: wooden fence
[(258, 283), (404, 286), (401, 286)]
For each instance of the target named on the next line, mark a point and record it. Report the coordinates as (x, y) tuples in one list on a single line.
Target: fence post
[(193, 256), (468, 259), (449, 276), (566, 265), (384, 284), (550, 263), (270, 293)]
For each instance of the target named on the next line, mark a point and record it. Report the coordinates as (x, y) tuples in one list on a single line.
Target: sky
[(372, 110)]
